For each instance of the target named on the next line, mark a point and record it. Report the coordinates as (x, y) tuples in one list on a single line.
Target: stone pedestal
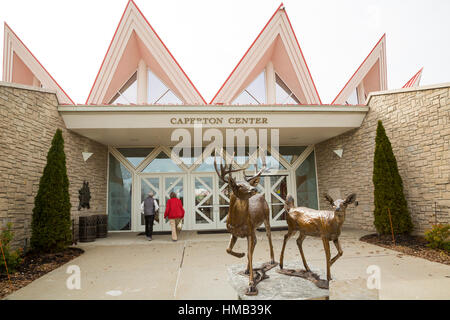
[(277, 286)]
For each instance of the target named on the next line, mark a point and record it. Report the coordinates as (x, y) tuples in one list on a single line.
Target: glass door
[(275, 189), (161, 185), (204, 201), (171, 184), (154, 184), (223, 195)]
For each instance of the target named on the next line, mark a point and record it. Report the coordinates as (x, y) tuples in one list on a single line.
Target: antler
[(257, 174), (226, 171)]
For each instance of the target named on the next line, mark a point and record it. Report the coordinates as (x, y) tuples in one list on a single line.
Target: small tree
[(388, 189), (9, 259), (51, 214)]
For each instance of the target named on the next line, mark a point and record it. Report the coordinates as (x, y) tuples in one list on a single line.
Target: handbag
[(180, 225)]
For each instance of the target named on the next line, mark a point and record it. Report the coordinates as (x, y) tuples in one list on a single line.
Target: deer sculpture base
[(308, 275), (259, 274)]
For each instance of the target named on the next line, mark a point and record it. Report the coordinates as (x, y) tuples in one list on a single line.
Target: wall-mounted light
[(339, 152), (86, 155)]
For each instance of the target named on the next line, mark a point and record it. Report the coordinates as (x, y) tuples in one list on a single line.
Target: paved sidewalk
[(126, 266)]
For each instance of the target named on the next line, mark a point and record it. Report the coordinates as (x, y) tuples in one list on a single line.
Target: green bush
[(51, 213), (13, 257), (388, 189), (439, 237)]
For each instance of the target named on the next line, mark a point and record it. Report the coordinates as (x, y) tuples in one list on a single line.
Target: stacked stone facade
[(28, 120), (417, 122)]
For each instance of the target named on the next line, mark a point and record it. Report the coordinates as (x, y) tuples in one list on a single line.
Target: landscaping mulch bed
[(35, 266), (408, 244)]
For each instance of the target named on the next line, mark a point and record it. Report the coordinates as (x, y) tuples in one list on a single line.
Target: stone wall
[(28, 121), (417, 122)]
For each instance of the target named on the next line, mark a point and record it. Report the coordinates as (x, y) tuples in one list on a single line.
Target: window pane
[(135, 155), (271, 163), (283, 94), (353, 99), (187, 158), (258, 88), (119, 196), (128, 93), (208, 164), (158, 92), (162, 163), (245, 98), (255, 93), (169, 98), (290, 154), (155, 87), (305, 177)]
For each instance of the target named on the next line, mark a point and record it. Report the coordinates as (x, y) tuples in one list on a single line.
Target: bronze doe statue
[(317, 223), (247, 211)]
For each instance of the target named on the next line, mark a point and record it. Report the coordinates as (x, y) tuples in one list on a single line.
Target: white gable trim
[(12, 44), (133, 20), (278, 25), (377, 53)]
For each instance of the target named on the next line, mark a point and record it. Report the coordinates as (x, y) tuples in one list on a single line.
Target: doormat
[(155, 233), (211, 231)]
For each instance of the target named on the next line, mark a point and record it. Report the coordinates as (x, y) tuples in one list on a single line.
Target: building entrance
[(161, 184), (134, 172)]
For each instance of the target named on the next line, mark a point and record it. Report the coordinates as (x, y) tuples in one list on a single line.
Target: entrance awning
[(153, 125)]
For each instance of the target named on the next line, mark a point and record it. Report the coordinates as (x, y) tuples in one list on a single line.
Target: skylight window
[(255, 93), (128, 93), (284, 95), (158, 92)]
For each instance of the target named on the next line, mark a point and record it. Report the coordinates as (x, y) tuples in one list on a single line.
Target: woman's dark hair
[(173, 195)]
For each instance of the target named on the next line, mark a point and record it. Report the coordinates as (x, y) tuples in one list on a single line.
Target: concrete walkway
[(126, 266)]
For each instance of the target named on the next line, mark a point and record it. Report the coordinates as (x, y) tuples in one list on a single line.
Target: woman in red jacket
[(174, 212)]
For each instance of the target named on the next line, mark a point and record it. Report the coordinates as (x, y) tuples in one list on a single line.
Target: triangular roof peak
[(134, 42), (415, 80), (276, 44), (21, 66), (370, 76)]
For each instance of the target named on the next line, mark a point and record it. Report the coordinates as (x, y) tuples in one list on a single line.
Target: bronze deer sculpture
[(247, 211), (317, 223)]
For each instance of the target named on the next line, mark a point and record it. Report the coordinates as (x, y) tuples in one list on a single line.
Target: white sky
[(209, 37)]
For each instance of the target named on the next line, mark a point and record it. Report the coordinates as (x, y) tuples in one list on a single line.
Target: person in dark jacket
[(150, 207), (175, 213)]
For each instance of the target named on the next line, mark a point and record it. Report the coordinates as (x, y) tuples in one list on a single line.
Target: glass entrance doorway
[(275, 188), (210, 201), (161, 185), (134, 172)]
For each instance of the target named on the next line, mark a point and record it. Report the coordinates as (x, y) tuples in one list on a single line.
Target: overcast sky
[(209, 37)]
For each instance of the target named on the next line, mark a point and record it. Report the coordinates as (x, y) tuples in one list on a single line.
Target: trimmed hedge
[(51, 214), (388, 188)]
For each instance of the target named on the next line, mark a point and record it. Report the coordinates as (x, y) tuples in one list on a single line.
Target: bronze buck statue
[(317, 223), (247, 211)]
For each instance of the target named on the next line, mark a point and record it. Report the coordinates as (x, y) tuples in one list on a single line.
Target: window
[(128, 93), (284, 95), (255, 93), (162, 163), (135, 155), (158, 92), (353, 99), (305, 177), (119, 196), (290, 154)]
